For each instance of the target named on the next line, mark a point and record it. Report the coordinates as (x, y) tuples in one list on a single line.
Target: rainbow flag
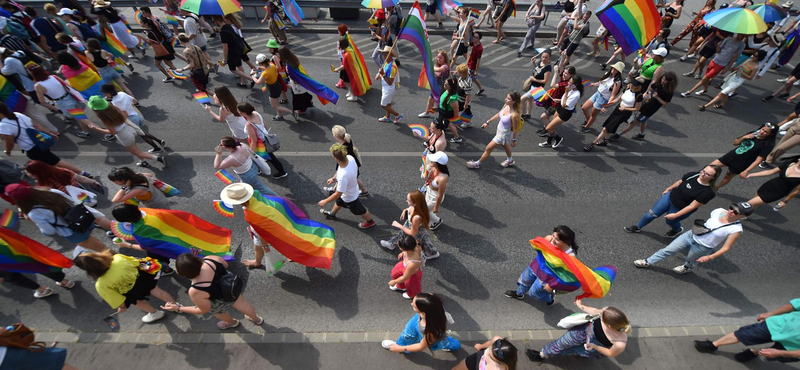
[(171, 233), (466, 118), (414, 30), (85, 80), (172, 20), (539, 94), (322, 92), (77, 113), (13, 99), (111, 44), (632, 23), (356, 69), (179, 76), (475, 13), (293, 11), (202, 98), (445, 6), (165, 188), (419, 129), (21, 254), (564, 272), (132, 201), (9, 219), (225, 176), (791, 47), (513, 8), (223, 208), (300, 239), (424, 166)]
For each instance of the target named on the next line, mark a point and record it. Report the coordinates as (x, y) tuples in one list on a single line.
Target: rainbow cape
[(414, 30), (21, 254), (171, 233), (300, 239), (172, 20), (444, 6), (564, 272), (322, 92), (293, 11), (85, 80), (111, 43), (791, 47), (632, 22), (13, 99), (356, 69)]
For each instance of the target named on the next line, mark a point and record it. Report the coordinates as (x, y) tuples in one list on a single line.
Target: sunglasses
[(771, 126), (497, 350)]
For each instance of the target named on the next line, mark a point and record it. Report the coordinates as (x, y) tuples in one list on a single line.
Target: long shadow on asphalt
[(473, 245), (458, 280), (498, 176), (764, 220)]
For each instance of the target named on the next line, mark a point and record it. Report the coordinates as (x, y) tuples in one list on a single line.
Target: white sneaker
[(396, 289), (641, 264), (683, 58), (701, 92), (387, 343), (349, 94), (432, 256), (507, 163), (386, 244), (352, 98), (796, 83), (782, 80), (682, 269), (154, 316), (405, 295), (424, 115)]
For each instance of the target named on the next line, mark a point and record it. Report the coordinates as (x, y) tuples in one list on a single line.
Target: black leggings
[(19, 279), (152, 140), (276, 163)]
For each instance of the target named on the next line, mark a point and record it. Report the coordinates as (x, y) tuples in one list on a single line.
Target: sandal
[(284, 101), (717, 106), (702, 108), (69, 285), (259, 322), (224, 325)]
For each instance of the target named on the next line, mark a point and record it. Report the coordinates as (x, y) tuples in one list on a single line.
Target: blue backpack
[(87, 32), (40, 140), (18, 30)]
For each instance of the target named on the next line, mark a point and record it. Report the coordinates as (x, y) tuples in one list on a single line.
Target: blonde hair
[(339, 151), (616, 319), (50, 7), (340, 132), (462, 68)]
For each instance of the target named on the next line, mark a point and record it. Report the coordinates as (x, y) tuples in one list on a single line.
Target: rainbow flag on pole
[(414, 30), (300, 239), (564, 272), (21, 254), (356, 69), (322, 92), (13, 99), (791, 47), (633, 23), (172, 233)]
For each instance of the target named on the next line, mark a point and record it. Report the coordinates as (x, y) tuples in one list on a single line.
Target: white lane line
[(547, 153), (514, 60), (502, 56)]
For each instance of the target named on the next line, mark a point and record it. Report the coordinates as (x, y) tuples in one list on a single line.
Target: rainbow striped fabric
[(322, 92), (21, 254), (226, 177), (293, 11), (564, 272), (445, 6), (300, 239), (13, 99), (9, 219), (356, 69), (414, 30), (77, 114), (111, 43), (172, 20), (223, 208), (791, 47), (85, 80), (633, 23)]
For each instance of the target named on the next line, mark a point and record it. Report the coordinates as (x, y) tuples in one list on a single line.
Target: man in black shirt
[(751, 149), (232, 49)]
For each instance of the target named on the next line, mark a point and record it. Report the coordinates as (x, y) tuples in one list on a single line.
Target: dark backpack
[(231, 286), (87, 32), (78, 218), (18, 30)]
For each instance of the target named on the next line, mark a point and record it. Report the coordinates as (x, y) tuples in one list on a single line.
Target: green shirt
[(446, 99), (649, 68), (785, 328)]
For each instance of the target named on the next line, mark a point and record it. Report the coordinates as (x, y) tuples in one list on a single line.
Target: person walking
[(301, 98), (79, 76), (660, 96), (462, 37), (630, 102), (233, 51), (388, 74), (124, 281), (341, 48), (416, 223), (257, 135), (441, 68), (727, 52), (53, 177), (162, 48), (696, 23), (464, 94), (565, 108), (607, 94), (427, 329), (206, 291), (102, 60), (741, 73), (448, 108), (533, 18), (346, 194), (342, 137), (788, 141), (384, 38), (562, 238), (39, 291), (681, 199), (553, 98), (474, 61), (437, 176), (606, 335), (407, 274), (240, 160), (540, 75), (125, 131), (496, 354), (751, 149), (198, 63), (138, 187), (776, 326), (126, 104), (507, 130), (196, 36), (229, 113), (506, 8), (724, 225), (275, 15), (103, 8), (786, 185), (274, 84)]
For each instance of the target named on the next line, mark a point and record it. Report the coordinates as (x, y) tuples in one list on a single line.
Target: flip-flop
[(717, 106)]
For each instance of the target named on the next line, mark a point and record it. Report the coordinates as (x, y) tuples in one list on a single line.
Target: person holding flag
[(389, 80)]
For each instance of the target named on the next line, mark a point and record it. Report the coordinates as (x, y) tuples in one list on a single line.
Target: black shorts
[(45, 156), (796, 72), (707, 52), (145, 283), (430, 9), (563, 113), (473, 361), (571, 48), (467, 110), (725, 160), (275, 89), (504, 16), (462, 49), (234, 61), (704, 31), (446, 114), (355, 206), (343, 76)]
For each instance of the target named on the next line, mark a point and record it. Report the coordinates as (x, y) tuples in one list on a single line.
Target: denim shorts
[(80, 237), (598, 100), (109, 74)]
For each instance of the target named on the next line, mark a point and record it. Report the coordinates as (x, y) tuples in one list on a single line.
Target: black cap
[(441, 123), (742, 208)]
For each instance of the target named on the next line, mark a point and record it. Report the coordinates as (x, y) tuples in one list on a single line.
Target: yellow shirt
[(118, 280), (270, 74)]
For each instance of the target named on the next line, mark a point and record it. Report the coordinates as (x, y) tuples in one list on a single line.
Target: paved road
[(489, 214)]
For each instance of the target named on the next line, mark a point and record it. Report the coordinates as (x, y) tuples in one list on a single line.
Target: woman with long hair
[(416, 223), (659, 96), (437, 176), (52, 88), (540, 75), (448, 107), (341, 48), (564, 109), (604, 336), (82, 78), (497, 354), (156, 37), (562, 238), (554, 95), (342, 137), (630, 101), (240, 160), (123, 281), (199, 64), (607, 94), (441, 68), (672, 12), (273, 48), (751, 149), (206, 291), (681, 199), (123, 130), (53, 177), (407, 274), (125, 103), (274, 84), (301, 98), (229, 113), (462, 37), (507, 129), (786, 185), (102, 60), (435, 141), (257, 132), (137, 186), (236, 23), (426, 329), (47, 208)]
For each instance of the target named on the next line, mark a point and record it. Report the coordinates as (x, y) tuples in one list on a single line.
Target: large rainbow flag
[(111, 43), (564, 272), (300, 239), (171, 233), (13, 99), (791, 47), (21, 254), (356, 69), (293, 11), (322, 92), (633, 23), (414, 30), (85, 80)]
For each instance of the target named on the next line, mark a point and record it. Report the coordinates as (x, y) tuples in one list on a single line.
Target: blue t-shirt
[(48, 29)]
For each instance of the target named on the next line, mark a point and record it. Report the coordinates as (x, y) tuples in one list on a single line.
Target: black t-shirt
[(228, 36), (109, 12), (746, 153), (538, 73), (690, 190), (653, 105)]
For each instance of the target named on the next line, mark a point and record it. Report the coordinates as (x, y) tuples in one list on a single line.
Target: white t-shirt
[(237, 124), (347, 180), (572, 99), (605, 87), (9, 127), (124, 102), (192, 28), (628, 99), (712, 239)]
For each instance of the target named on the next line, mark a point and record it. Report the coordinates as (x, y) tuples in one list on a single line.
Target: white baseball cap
[(65, 11), (662, 52), (438, 157)]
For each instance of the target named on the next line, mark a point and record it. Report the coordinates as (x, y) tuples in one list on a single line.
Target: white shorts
[(732, 83), (386, 95), (127, 135)]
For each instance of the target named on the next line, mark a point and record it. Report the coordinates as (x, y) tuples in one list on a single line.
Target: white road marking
[(470, 154)]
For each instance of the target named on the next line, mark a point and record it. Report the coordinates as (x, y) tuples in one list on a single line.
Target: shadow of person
[(502, 178), (458, 279), (473, 245), (467, 208), (462, 321), (320, 283), (220, 360)]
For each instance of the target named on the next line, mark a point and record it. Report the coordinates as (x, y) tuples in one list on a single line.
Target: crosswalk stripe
[(501, 57)]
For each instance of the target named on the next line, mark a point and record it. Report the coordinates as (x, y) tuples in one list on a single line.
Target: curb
[(363, 337)]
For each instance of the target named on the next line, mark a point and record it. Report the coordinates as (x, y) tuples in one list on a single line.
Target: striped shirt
[(12, 43), (464, 88)]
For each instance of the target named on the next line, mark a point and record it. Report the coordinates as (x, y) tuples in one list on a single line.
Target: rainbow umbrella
[(770, 13), (376, 4), (736, 20), (211, 7)]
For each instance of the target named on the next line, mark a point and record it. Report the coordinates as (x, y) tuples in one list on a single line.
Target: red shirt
[(474, 56)]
